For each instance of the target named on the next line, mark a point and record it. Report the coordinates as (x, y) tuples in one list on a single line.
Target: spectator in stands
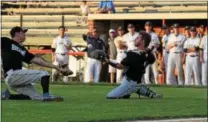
[(85, 10), (112, 53), (94, 65), (187, 32), (203, 59), (175, 46), (152, 67), (201, 31), (191, 48), (130, 37), (164, 43), (121, 52), (106, 7)]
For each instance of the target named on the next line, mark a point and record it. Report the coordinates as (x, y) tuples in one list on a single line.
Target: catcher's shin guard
[(145, 91)]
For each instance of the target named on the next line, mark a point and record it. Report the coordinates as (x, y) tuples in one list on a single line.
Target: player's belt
[(193, 55), (61, 53)]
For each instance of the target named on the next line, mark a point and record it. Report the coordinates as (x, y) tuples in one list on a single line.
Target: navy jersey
[(13, 54)]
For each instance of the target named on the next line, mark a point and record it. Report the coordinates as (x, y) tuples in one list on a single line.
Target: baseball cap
[(164, 27), (17, 29), (112, 31), (120, 28), (130, 26), (186, 27), (176, 25), (148, 23), (193, 29)]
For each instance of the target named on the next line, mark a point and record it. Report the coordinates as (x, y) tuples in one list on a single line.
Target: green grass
[(87, 103)]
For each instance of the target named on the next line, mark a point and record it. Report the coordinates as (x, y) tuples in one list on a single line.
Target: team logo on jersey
[(16, 48)]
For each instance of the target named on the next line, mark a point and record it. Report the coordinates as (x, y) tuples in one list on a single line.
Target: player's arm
[(68, 44), (114, 63), (171, 44), (42, 62), (201, 47)]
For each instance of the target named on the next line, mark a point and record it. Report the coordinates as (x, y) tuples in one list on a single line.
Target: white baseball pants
[(204, 71), (21, 81), (94, 68), (60, 59), (192, 65), (151, 68), (175, 60)]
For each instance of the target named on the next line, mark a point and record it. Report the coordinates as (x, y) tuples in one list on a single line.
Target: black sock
[(19, 97), (45, 84)]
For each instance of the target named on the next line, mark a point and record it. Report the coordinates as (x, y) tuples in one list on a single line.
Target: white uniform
[(129, 39), (192, 61), (203, 46), (61, 54), (152, 67), (120, 56), (175, 59)]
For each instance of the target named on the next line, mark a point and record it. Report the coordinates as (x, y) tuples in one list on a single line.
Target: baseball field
[(87, 103)]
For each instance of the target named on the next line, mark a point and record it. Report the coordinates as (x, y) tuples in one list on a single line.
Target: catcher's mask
[(143, 38)]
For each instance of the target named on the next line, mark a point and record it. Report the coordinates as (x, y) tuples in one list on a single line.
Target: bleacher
[(43, 18)]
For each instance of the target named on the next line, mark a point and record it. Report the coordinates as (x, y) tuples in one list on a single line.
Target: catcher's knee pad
[(145, 91)]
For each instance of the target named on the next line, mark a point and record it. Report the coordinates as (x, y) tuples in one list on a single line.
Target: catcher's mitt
[(99, 55), (65, 71)]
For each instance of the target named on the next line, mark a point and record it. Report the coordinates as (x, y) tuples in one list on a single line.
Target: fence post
[(21, 20), (62, 20)]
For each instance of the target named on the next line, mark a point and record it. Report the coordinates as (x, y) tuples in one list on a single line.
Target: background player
[(121, 52), (61, 46), (134, 65), (191, 48), (152, 67), (175, 46), (18, 79), (203, 59)]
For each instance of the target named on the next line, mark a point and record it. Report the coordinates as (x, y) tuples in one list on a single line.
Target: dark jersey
[(135, 65), (96, 43), (13, 54)]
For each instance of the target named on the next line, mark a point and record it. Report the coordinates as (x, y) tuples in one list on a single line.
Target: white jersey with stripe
[(191, 43), (61, 44)]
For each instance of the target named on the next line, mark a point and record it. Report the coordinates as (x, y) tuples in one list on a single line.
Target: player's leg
[(145, 91), (147, 74), (90, 70), (179, 67), (22, 79), (119, 75), (112, 72), (204, 73), (189, 70), (5, 95), (55, 73), (197, 70), (170, 71), (63, 62), (126, 88), (97, 71), (155, 71)]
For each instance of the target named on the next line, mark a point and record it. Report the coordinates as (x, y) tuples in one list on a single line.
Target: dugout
[(104, 22)]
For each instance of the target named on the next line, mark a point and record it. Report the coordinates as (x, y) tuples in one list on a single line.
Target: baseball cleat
[(5, 95), (50, 98), (157, 96)]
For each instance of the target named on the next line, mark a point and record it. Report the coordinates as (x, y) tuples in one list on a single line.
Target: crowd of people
[(181, 57)]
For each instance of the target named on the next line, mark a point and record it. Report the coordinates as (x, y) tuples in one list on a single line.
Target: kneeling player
[(134, 68), (20, 80)]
